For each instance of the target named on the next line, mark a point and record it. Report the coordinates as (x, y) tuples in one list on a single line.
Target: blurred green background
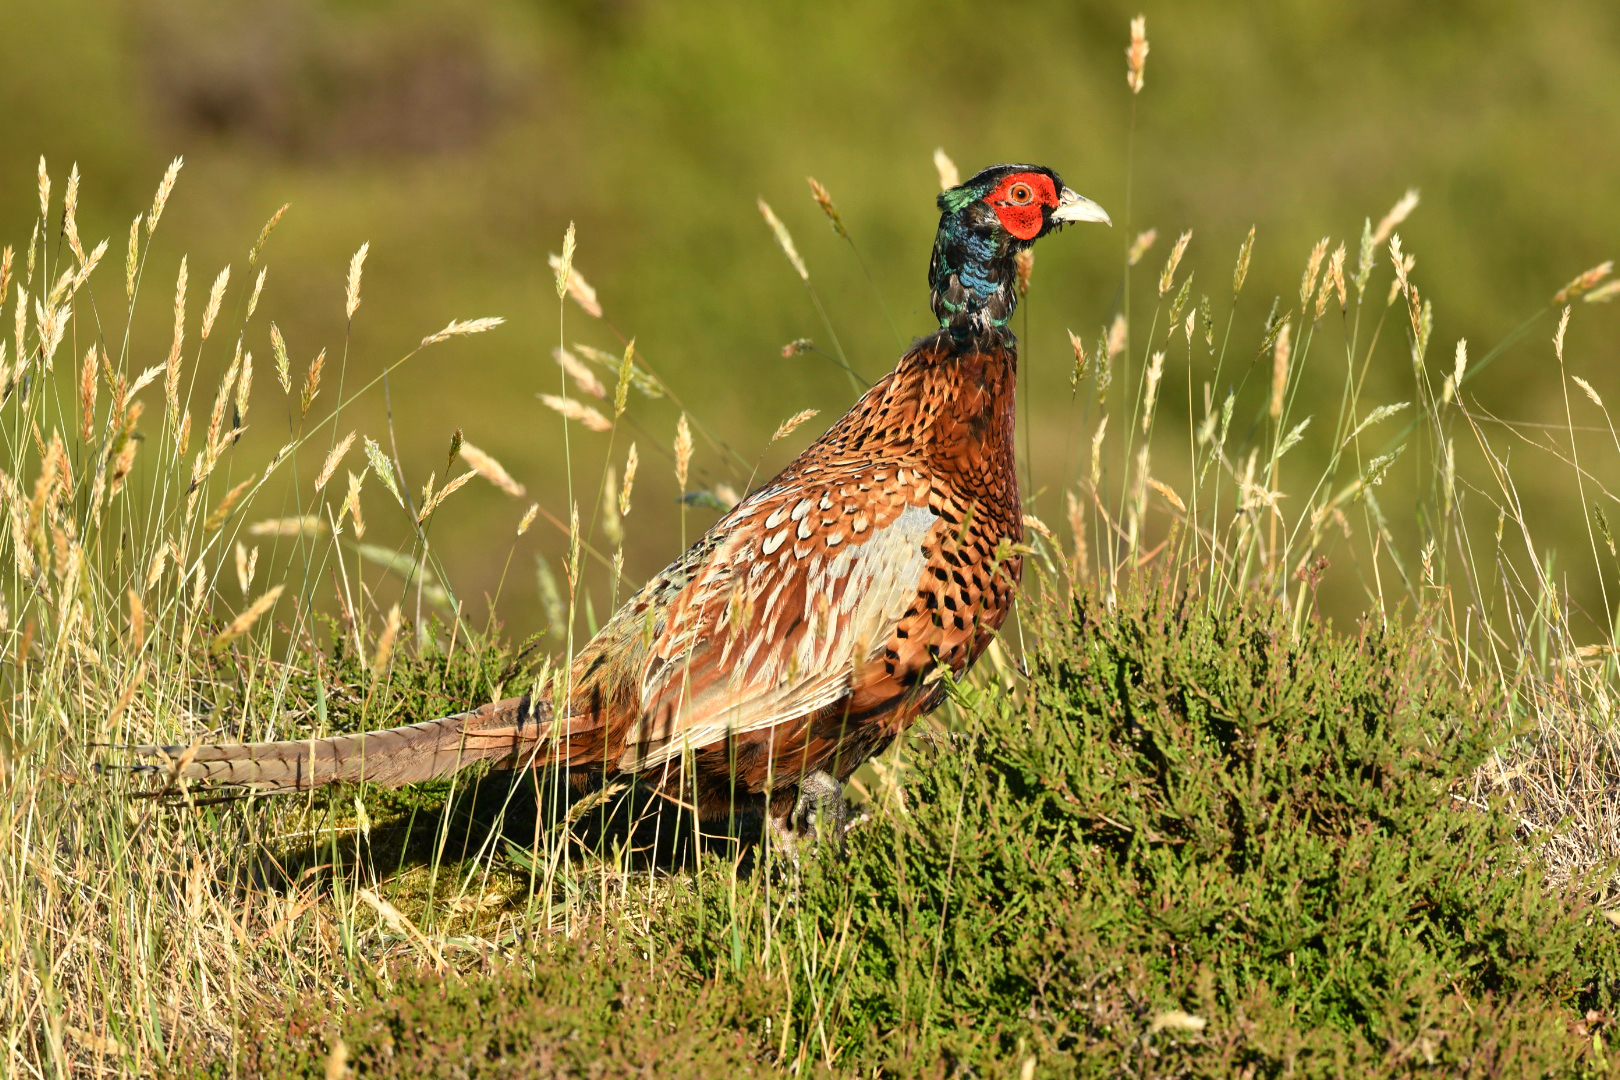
[(461, 139)]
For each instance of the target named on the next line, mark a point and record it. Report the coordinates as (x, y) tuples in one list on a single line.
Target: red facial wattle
[(1024, 219)]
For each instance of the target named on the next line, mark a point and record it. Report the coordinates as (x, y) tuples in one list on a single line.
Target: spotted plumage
[(807, 629)]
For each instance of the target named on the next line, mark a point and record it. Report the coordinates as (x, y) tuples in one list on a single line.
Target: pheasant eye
[(1020, 193)]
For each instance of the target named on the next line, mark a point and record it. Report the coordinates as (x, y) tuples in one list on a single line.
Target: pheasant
[(808, 628)]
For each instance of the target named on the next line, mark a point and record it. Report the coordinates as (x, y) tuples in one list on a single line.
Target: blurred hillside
[(461, 140)]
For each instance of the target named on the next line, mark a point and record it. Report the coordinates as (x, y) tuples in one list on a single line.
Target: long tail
[(506, 732)]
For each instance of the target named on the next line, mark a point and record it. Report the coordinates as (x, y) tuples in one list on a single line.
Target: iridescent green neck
[(972, 275)]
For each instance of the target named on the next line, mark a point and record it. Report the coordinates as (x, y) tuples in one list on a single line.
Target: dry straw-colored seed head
[(1584, 282), (1558, 338), (490, 469), (1118, 332), (215, 296), (1079, 358), (1096, 451), (44, 189), (1150, 395), (459, 327), (683, 450), (824, 200), (1140, 246), (244, 622), (264, 234), (1313, 266), (431, 499), (578, 411), (631, 460), (1397, 214), (70, 213), (576, 287), (1241, 271), (1167, 277), (528, 518), (253, 300), (1336, 275), (784, 240), (1586, 388), (1136, 54), (583, 376), (351, 301), (332, 459), (1279, 368), (161, 199), (786, 427), (1600, 295), (797, 346), (172, 382), (564, 266), (949, 176), (627, 371)]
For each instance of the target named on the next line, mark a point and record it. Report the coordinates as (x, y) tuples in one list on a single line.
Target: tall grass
[(158, 588)]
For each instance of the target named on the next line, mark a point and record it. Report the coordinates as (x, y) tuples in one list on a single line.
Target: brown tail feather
[(505, 732)]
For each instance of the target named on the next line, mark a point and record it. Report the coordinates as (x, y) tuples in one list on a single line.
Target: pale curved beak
[(1073, 207)]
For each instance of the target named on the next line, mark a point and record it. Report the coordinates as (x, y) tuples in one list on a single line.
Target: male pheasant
[(797, 637)]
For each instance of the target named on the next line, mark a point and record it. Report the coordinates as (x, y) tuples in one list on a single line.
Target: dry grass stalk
[(253, 298), (578, 289), (161, 199), (1139, 246), (1584, 282), (583, 376), (1167, 276), (1279, 368), (631, 460), (949, 177), (1241, 271), (432, 499), (215, 296), (1024, 267), (459, 327), (312, 384), (564, 266), (1150, 394), (1169, 494), (783, 239), (490, 469), (70, 214), (223, 511), (1313, 266), (786, 427), (333, 458), (1398, 213), (574, 410), (171, 383), (1136, 55), (683, 450), (351, 301), (307, 525), (264, 234), (824, 200), (244, 622)]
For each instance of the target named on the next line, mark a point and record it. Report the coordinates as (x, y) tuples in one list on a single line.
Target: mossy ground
[(1198, 842)]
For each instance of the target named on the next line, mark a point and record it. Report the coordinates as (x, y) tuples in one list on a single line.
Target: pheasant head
[(983, 224)]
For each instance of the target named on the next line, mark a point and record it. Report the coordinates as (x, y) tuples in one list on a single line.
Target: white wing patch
[(853, 599)]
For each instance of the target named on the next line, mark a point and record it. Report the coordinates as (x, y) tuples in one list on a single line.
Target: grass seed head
[(949, 177), (490, 469), (351, 302), (1167, 276), (215, 296), (1398, 213), (165, 189), (784, 239), (264, 234), (582, 375), (564, 266), (171, 382), (1313, 266), (1279, 368), (333, 458), (1079, 359), (312, 384), (528, 518), (278, 347), (1150, 394), (683, 450), (1558, 337), (786, 427), (630, 463), (627, 370), (577, 288), (1241, 270), (253, 299), (1584, 282), (1136, 54), (70, 213), (1139, 246), (384, 469), (824, 200), (1024, 267), (458, 327), (574, 410), (44, 189)]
